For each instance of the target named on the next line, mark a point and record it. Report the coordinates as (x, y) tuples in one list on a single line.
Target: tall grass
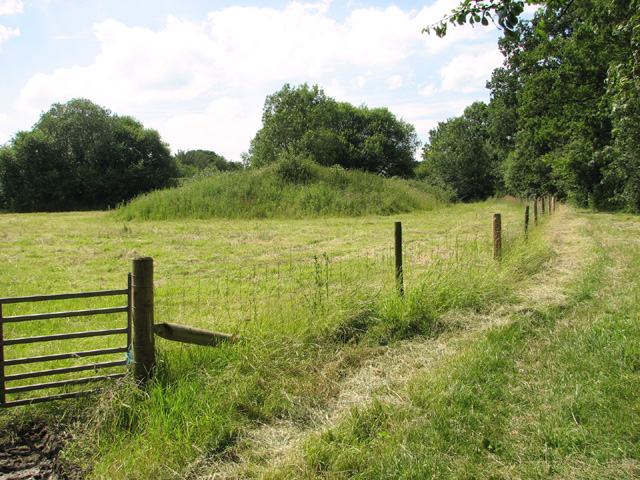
[(311, 305), (550, 392), (293, 188)]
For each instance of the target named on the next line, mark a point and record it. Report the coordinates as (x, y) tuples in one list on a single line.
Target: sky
[(199, 71)]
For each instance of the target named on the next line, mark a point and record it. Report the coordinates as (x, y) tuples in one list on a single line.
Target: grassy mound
[(292, 188)]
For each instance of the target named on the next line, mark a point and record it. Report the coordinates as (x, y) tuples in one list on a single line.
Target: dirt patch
[(33, 452)]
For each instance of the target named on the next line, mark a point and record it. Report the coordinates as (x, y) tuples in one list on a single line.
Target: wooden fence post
[(550, 211), (497, 237), (535, 211), (194, 336), (399, 273), (526, 221), (542, 201), (143, 337)]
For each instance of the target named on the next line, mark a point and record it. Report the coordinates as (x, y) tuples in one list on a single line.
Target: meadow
[(481, 369)]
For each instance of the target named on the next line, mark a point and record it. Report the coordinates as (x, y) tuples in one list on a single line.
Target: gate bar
[(64, 356), (61, 396), (64, 336), (76, 313), (3, 398), (62, 383), (63, 296), (59, 371)]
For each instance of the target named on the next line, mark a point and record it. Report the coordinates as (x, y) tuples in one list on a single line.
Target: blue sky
[(199, 71)]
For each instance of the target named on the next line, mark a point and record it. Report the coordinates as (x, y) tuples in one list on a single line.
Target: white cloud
[(136, 66), (203, 84), (358, 82), (428, 90), (6, 33), (4, 126), (222, 126), (11, 7), (395, 81), (466, 72)]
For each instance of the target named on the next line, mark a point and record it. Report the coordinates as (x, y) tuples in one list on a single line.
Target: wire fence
[(295, 289)]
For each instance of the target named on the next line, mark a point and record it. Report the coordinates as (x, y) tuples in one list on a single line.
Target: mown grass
[(549, 392), (312, 301), (524, 369), (293, 188)]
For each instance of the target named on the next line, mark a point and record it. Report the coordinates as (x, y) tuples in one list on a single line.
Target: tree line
[(564, 114), (81, 156), (563, 120)]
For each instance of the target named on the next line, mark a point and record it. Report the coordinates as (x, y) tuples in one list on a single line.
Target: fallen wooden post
[(197, 336)]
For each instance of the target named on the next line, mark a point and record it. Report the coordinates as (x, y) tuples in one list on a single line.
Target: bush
[(294, 169)]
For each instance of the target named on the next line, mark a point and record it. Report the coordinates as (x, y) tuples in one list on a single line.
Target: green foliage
[(293, 169), (80, 156), (304, 121), (198, 162), (504, 12), (458, 156), (293, 187), (562, 118), (624, 165)]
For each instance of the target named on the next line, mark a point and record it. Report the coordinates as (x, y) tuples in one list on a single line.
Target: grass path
[(543, 387)]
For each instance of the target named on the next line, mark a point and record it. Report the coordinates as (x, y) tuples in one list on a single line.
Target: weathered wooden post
[(542, 201), (526, 221), (535, 211), (497, 237), (144, 359), (399, 273), (194, 336)]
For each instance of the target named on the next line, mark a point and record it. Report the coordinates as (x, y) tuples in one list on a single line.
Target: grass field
[(523, 369)]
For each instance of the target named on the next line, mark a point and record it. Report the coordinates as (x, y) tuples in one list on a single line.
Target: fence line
[(310, 281), (242, 296)]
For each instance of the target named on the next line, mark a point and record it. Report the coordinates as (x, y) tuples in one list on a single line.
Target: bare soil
[(33, 452)]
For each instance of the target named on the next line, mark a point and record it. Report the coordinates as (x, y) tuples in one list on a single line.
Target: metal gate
[(8, 342)]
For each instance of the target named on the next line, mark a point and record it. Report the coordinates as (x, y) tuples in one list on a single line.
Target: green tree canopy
[(80, 156), (459, 158), (192, 162), (304, 121), (563, 116)]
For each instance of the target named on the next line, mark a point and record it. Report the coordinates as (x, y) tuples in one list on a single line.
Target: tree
[(458, 157), (563, 113), (291, 118), (303, 121), (192, 162), (33, 174), (564, 117), (80, 156), (623, 173)]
